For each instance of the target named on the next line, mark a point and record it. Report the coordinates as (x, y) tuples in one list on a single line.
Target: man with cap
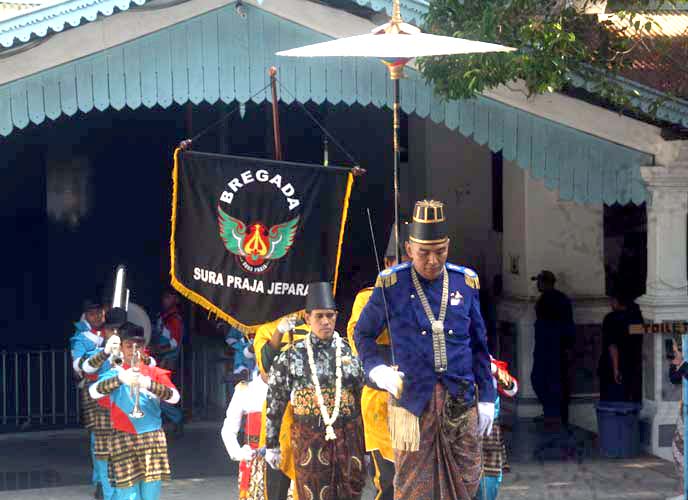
[(442, 384), (83, 343), (374, 401), (138, 448), (554, 339), (323, 380)]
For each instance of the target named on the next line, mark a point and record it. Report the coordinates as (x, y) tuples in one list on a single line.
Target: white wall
[(446, 166), (542, 232)]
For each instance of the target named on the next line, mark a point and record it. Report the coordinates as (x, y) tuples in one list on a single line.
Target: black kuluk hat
[(320, 296), (115, 318), (403, 238), (429, 225)]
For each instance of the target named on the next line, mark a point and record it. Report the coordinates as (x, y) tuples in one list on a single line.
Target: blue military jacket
[(467, 354)]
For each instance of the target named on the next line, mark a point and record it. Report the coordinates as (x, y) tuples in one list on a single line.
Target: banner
[(249, 235)]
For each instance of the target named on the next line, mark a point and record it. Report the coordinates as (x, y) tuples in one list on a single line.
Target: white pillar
[(666, 296)]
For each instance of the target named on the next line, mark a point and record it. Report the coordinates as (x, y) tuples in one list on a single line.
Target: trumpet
[(135, 388)]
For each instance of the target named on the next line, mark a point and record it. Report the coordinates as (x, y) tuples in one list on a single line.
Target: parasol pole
[(397, 156), (275, 113), (395, 26)]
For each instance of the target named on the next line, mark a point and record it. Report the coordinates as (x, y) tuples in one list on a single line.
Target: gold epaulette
[(386, 279), (472, 281)]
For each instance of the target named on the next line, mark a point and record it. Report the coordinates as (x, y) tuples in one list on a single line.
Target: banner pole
[(275, 113)]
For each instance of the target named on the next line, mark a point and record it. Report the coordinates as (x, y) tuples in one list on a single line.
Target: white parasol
[(396, 43)]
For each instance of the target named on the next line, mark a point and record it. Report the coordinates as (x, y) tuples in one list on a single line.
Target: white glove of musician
[(389, 379), (244, 454), (286, 325), (273, 457), (112, 345), (145, 382), (128, 377), (485, 418)]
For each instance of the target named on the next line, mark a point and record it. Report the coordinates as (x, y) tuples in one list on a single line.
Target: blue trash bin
[(618, 429)]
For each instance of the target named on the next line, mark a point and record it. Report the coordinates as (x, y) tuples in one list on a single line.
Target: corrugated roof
[(55, 17), (661, 23), (660, 57), (13, 8)]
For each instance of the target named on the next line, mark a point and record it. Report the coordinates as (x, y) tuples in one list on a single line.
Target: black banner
[(248, 234)]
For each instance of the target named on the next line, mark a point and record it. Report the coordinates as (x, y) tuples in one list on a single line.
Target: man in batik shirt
[(323, 380)]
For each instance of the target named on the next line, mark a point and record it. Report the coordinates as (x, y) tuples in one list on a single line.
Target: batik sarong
[(138, 457), (328, 470), (449, 462)]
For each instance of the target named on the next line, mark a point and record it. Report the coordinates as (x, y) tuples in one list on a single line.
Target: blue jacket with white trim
[(468, 359)]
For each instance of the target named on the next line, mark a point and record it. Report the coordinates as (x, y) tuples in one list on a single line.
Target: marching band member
[(86, 339), (138, 448), (166, 345), (494, 449), (101, 362), (374, 400), (439, 344), (247, 404), (323, 381)]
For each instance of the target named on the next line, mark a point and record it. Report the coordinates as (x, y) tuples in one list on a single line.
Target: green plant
[(557, 44)]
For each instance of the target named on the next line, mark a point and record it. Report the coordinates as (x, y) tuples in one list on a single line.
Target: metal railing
[(38, 389)]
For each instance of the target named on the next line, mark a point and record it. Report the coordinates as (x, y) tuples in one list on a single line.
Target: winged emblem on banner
[(255, 244)]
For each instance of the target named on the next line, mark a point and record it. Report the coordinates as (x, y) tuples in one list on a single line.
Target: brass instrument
[(135, 388)]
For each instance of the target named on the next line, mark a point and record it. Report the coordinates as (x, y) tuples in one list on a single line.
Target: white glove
[(112, 345), (389, 379), (273, 457), (485, 418), (145, 382), (286, 325), (128, 377), (244, 454)]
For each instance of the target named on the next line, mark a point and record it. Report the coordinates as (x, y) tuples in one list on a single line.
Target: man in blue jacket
[(443, 395)]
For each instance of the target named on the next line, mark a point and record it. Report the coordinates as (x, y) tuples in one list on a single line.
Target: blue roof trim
[(670, 109), (56, 17), (212, 58), (411, 10)]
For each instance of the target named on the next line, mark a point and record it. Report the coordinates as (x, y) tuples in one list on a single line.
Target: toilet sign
[(669, 327), (675, 328)]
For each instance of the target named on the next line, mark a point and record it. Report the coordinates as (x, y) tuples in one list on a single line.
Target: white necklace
[(327, 418)]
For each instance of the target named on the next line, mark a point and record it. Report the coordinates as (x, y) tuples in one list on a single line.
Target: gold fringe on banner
[(205, 303), (342, 229)]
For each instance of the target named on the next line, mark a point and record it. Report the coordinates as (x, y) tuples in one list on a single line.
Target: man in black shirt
[(554, 340), (621, 360)]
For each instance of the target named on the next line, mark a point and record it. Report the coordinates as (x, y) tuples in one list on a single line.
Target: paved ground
[(53, 466)]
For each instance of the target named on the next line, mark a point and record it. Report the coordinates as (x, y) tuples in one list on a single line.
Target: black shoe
[(98, 494)]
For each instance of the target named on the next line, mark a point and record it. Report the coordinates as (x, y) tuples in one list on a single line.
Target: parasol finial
[(396, 12), (396, 25)]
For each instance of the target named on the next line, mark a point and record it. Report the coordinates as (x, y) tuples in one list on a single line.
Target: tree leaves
[(555, 43)]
